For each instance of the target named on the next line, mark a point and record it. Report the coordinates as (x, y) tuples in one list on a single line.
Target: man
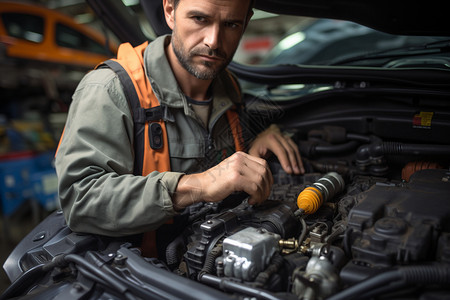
[(98, 192)]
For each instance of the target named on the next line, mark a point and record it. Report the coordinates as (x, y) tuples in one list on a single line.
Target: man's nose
[(212, 37)]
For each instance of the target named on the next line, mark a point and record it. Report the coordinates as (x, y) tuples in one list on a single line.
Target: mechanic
[(98, 191)]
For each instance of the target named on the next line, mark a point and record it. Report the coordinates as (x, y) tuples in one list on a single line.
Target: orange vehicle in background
[(33, 32), (43, 56)]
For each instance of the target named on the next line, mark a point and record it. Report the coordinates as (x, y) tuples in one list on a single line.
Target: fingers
[(239, 172), (272, 140), (290, 159), (256, 179)]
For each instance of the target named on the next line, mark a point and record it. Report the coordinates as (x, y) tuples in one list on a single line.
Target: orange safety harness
[(151, 150)]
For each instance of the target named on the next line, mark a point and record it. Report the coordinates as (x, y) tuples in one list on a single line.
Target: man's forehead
[(238, 5)]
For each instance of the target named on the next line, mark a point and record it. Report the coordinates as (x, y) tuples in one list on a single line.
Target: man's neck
[(190, 85)]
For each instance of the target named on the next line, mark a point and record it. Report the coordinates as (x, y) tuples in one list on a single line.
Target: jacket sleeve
[(94, 163)]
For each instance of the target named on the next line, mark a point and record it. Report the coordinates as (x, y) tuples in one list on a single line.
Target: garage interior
[(35, 97)]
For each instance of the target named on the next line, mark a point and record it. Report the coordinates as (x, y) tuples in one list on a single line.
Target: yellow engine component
[(309, 200), (312, 197)]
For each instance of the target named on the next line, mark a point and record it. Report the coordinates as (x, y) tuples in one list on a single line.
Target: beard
[(207, 70)]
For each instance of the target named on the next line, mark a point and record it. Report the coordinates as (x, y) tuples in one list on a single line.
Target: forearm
[(117, 205)]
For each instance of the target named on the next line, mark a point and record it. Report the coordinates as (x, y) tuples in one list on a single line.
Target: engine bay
[(351, 227)]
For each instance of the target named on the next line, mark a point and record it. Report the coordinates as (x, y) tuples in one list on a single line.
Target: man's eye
[(231, 25), (199, 19)]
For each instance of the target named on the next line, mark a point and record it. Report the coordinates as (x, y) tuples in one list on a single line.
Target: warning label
[(422, 120)]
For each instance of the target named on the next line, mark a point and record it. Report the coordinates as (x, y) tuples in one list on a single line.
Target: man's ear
[(169, 12)]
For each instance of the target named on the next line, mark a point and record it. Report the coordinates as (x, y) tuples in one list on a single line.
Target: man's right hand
[(240, 172)]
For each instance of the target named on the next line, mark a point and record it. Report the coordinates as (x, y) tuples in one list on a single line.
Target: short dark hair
[(252, 4)]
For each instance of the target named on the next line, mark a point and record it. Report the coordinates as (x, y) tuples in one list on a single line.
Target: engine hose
[(359, 137), (367, 152), (336, 148), (236, 287), (112, 282), (172, 250), (410, 275), (303, 233), (210, 260), (383, 290), (400, 148)]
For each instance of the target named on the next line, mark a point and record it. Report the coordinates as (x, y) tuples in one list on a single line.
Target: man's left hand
[(272, 140)]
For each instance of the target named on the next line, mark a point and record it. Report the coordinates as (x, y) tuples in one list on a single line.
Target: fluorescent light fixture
[(260, 14), (130, 2), (291, 40)]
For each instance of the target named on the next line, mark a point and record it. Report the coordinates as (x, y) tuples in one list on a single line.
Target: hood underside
[(396, 17)]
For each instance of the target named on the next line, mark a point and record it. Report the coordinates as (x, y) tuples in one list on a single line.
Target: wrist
[(189, 191)]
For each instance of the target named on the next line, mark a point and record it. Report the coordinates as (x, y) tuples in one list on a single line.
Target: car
[(368, 220), (35, 33), (328, 41), (45, 54)]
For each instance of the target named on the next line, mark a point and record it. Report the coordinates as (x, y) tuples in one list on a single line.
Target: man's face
[(206, 34)]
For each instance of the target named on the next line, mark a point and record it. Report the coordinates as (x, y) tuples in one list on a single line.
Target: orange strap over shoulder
[(233, 120), (151, 143)]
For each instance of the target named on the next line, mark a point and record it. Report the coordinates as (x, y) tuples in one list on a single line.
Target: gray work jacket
[(97, 189)]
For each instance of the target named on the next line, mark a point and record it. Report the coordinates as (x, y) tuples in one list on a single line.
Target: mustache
[(209, 52)]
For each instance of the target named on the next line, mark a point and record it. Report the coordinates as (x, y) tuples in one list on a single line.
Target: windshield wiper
[(441, 46)]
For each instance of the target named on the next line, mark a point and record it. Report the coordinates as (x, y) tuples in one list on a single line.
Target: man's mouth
[(211, 58), (209, 55)]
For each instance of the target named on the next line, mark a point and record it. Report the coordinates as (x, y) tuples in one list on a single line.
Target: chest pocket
[(186, 143), (189, 144)]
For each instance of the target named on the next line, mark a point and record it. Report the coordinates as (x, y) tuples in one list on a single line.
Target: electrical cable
[(303, 233)]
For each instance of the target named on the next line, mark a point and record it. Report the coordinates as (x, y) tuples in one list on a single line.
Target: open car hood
[(396, 17), (412, 18)]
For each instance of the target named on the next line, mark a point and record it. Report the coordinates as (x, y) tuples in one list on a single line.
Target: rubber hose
[(417, 274), (113, 282), (172, 252), (426, 274), (367, 285), (303, 233), (210, 261), (336, 148), (411, 275), (400, 148)]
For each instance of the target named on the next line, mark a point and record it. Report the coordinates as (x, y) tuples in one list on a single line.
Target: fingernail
[(288, 169)]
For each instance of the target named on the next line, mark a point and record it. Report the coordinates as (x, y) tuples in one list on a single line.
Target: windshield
[(309, 41)]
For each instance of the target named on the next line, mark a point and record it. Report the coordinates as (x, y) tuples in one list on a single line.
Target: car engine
[(368, 220)]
